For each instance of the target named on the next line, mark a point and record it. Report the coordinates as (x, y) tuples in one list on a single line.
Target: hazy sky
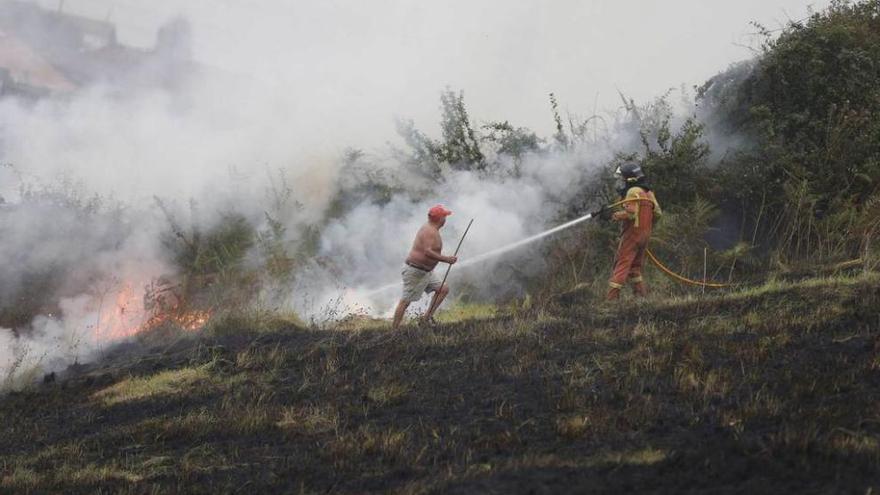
[(362, 62)]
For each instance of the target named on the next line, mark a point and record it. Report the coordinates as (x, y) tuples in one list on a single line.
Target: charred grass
[(766, 390)]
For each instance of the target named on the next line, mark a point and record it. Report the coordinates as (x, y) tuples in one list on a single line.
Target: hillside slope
[(769, 390)]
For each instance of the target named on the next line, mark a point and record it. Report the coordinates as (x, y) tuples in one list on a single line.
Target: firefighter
[(636, 215)]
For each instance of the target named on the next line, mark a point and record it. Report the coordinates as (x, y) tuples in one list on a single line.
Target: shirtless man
[(418, 274)]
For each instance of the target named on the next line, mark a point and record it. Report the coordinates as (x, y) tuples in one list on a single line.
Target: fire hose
[(682, 279), (663, 268), (596, 214)]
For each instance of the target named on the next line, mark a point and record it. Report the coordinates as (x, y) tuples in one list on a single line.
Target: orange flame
[(121, 317), (191, 321), (194, 320), (124, 315)]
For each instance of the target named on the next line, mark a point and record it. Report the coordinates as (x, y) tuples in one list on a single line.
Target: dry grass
[(309, 420), (384, 395), (772, 389), (165, 383), (458, 312)]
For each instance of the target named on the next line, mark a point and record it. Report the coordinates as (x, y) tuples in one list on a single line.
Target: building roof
[(45, 52), (26, 67)]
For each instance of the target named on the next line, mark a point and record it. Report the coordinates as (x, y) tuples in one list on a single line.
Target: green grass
[(460, 311), (771, 389), (164, 383)]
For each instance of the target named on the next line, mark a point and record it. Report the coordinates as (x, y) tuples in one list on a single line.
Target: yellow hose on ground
[(664, 269), (685, 280), (712, 285)]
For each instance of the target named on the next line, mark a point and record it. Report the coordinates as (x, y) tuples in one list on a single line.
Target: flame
[(124, 315), (191, 321), (120, 317)]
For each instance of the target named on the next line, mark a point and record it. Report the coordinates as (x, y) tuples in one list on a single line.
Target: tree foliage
[(811, 104)]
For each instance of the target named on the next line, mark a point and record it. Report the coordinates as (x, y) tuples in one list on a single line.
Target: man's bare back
[(426, 248)]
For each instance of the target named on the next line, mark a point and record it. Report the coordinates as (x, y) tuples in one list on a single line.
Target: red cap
[(439, 211)]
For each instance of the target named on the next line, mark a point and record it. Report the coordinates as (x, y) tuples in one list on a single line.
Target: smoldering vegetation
[(768, 176), (768, 390), (191, 197), (310, 237)]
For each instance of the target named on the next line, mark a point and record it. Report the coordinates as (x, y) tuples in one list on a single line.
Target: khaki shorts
[(417, 282)]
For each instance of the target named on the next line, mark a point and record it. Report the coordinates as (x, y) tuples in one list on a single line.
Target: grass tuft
[(161, 384)]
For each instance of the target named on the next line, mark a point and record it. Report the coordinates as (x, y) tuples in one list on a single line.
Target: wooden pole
[(449, 268), (705, 267)]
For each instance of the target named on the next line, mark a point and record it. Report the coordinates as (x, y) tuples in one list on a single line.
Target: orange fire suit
[(637, 216)]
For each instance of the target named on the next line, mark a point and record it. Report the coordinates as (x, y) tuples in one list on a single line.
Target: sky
[(361, 63)]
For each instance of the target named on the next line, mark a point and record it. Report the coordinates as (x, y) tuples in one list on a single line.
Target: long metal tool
[(449, 268)]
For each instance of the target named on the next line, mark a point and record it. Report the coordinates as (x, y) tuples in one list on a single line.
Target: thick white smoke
[(81, 230), (222, 153), (223, 142), (372, 241)]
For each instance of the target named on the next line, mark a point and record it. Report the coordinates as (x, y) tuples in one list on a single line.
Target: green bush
[(811, 106)]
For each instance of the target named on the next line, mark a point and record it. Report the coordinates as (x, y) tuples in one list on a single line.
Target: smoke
[(81, 214), (81, 224), (82, 231), (82, 328), (83, 235), (373, 240)]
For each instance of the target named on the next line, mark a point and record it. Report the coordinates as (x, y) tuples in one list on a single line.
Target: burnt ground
[(764, 391)]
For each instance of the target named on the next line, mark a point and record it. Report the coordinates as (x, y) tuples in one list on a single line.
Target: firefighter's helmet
[(629, 175), (630, 172)]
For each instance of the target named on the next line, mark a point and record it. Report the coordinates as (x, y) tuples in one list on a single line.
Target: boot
[(613, 294), (640, 289)]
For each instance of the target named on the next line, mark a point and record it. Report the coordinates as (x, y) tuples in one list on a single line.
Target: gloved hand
[(620, 216), (603, 213)]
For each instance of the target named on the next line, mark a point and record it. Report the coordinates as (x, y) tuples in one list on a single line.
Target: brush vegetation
[(770, 389), (795, 183)]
